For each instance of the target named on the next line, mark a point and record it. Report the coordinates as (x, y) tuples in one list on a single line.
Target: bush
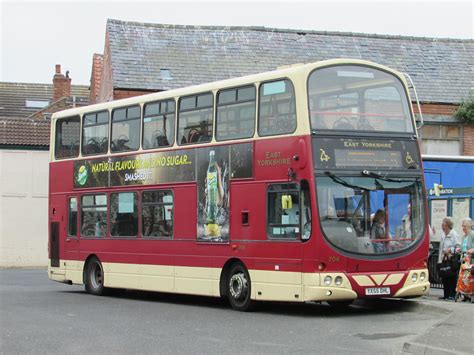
[(465, 111)]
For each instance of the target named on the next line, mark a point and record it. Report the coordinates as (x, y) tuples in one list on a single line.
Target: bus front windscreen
[(357, 98), (370, 215)]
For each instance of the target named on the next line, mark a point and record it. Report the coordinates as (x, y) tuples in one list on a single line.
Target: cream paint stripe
[(378, 278), (272, 285), (363, 280), (393, 279), (162, 270)]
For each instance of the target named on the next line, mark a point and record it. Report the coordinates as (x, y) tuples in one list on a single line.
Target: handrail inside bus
[(417, 101)]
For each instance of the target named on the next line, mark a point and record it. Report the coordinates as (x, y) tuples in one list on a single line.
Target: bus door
[(54, 233), (398, 219), (72, 240)]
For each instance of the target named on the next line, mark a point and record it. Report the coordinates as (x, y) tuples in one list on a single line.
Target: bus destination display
[(370, 158), (353, 153)]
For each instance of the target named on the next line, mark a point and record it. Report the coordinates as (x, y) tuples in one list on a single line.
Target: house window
[(440, 139), (165, 74), (36, 103)]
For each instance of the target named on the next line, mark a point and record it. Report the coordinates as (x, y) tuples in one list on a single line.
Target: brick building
[(140, 58), (25, 110)]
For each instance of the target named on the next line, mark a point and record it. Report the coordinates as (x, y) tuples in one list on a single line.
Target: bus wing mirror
[(437, 189), (286, 202)]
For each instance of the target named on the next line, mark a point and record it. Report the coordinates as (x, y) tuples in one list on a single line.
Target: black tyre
[(239, 289), (94, 277)]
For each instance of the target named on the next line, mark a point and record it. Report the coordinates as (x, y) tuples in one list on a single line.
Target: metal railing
[(435, 279)]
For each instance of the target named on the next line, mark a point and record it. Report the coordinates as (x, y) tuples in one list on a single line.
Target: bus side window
[(157, 213), (123, 214), (67, 137), (72, 217), (277, 109), (158, 124), (125, 129), (235, 118), (306, 213), (195, 115), (95, 133), (94, 215), (283, 217)]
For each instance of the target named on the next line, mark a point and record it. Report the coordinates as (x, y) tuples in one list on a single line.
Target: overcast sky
[(36, 35)]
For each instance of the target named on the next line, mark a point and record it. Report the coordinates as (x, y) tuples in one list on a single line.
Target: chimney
[(61, 84), (96, 77)]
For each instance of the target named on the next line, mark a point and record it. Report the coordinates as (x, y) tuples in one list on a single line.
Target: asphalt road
[(42, 316)]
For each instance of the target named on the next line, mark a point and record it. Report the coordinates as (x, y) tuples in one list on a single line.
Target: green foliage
[(465, 112)]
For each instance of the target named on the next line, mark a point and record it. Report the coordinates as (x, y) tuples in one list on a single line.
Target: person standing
[(447, 253), (467, 243), (467, 240), (377, 232)]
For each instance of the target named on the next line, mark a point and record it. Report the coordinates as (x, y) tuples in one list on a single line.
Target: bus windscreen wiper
[(343, 182), (381, 177)]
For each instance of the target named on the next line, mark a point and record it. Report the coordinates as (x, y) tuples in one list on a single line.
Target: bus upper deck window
[(125, 129), (195, 116), (67, 137), (158, 124), (95, 133), (358, 98), (277, 109), (236, 113)]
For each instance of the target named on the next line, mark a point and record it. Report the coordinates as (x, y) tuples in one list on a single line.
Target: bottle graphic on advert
[(212, 189)]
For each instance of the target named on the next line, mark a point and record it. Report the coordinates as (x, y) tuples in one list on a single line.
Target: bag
[(447, 268)]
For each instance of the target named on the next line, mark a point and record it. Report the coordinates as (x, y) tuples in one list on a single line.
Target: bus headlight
[(338, 280), (327, 280), (422, 276), (414, 277)]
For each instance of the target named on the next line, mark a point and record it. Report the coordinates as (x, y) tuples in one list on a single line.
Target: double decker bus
[(301, 184)]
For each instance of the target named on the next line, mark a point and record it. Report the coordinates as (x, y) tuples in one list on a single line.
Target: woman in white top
[(447, 249)]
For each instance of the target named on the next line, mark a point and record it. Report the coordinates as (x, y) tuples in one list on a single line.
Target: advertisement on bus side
[(211, 168)]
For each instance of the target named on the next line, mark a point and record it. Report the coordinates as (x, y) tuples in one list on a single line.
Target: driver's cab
[(289, 211)]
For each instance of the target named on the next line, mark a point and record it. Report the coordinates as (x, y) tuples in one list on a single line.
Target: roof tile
[(208, 53)]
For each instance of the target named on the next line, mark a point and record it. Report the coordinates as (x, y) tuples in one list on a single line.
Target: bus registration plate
[(374, 291)]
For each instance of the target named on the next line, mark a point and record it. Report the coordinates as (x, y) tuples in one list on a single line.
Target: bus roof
[(228, 83)]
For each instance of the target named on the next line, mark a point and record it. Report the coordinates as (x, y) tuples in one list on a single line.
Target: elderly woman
[(467, 240), (447, 249)]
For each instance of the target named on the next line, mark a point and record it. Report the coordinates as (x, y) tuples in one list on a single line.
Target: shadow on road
[(311, 309)]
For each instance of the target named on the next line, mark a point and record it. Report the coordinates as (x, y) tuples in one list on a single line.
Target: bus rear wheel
[(239, 289), (94, 277)]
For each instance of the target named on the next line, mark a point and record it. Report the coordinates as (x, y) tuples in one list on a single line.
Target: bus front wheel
[(239, 289), (94, 277)]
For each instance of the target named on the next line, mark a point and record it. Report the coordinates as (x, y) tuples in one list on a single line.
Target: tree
[(465, 111)]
